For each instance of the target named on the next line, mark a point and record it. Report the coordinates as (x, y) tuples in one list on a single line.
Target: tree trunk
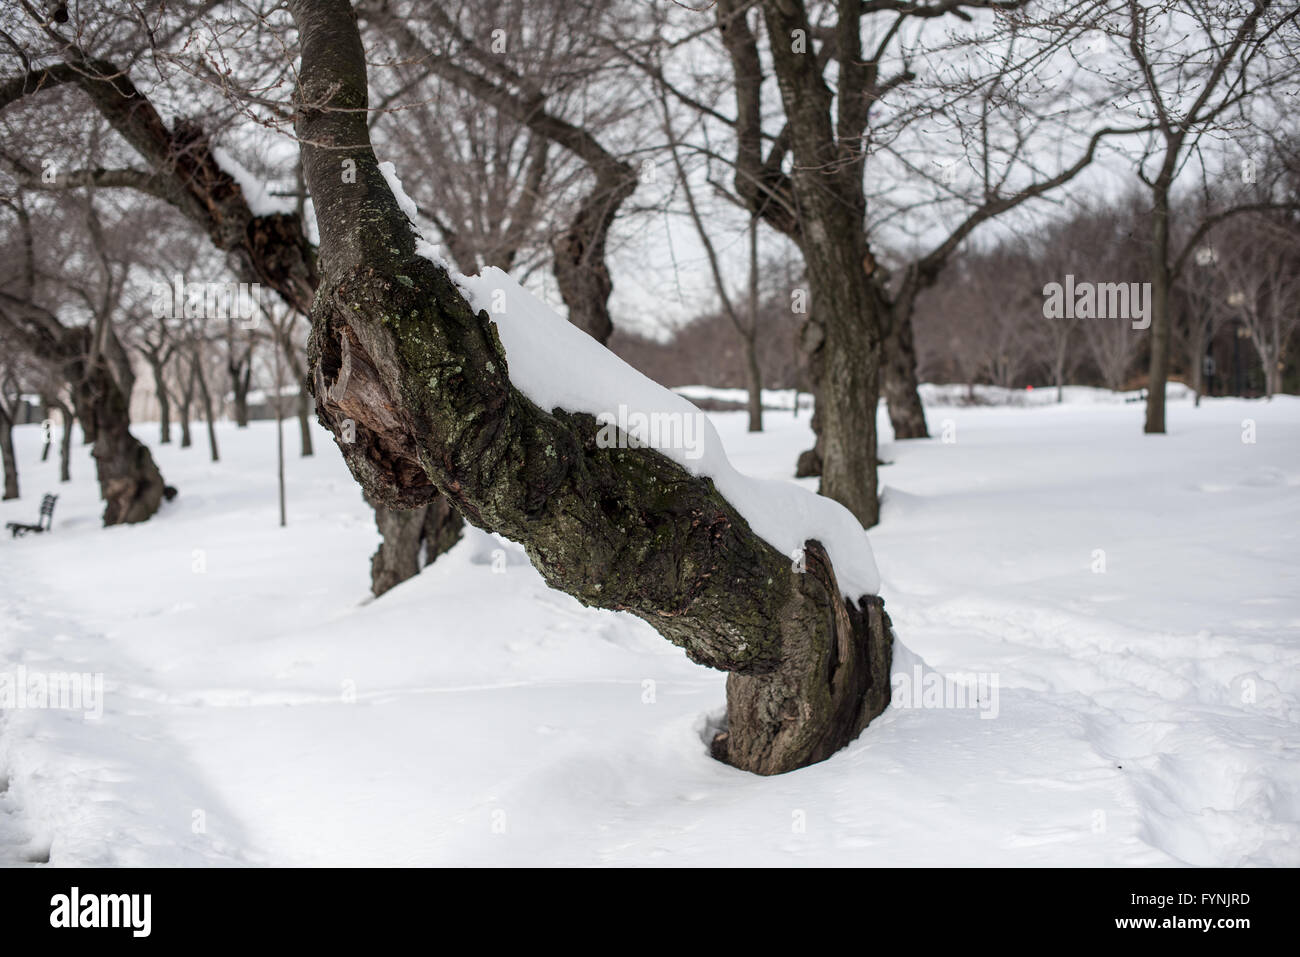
[(65, 446), (304, 419), (129, 481), (578, 262), (186, 438), (412, 538), (1196, 355), (754, 379), (205, 398), (849, 391), (47, 430), (753, 372), (164, 402), (1158, 373), (902, 392), (443, 528), (398, 557), (240, 381), (423, 384), (811, 339), (7, 452), (304, 397), (827, 182), (824, 693), (1272, 372)]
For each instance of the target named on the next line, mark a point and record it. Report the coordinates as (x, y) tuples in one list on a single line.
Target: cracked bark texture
[(415, 386)]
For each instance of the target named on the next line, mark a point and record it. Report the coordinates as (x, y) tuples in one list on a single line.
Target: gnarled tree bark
[(415, 385)]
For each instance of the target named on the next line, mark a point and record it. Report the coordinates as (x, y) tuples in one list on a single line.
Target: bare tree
[(838, 69), (1192, 89), (1261, 272), (156, 347)]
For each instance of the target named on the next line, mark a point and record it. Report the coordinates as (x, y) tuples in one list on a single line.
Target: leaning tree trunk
[(129, 481), (7, 452), (416, 385)]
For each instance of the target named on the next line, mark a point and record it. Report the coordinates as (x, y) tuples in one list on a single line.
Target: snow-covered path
[(258, 710)]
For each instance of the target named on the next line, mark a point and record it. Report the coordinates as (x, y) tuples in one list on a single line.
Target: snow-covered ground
[(1131, 605)]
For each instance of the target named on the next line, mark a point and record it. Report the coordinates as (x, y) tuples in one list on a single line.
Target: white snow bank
[(559, 366)]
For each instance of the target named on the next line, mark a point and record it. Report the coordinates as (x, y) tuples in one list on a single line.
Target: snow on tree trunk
[(415, 385)]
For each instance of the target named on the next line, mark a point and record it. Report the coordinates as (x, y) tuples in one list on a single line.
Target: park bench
[(43, 524)]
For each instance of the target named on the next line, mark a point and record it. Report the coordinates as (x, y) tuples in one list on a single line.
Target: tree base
[(828, 687)]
